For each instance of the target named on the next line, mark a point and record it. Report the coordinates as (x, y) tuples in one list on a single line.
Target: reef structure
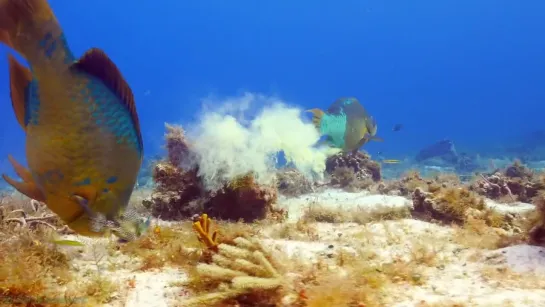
[(180, 192)]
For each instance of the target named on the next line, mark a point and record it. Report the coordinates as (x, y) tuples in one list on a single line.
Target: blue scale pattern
[(32, 103), (108, 111)]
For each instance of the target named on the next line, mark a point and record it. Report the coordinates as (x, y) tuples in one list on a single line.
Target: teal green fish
[(346, 124), (83, 142)]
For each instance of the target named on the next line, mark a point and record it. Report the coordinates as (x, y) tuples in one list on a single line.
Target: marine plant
[(29, 266), (446, 204), (240, 271)]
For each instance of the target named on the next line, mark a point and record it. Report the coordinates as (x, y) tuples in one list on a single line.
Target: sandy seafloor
[(512, 276)]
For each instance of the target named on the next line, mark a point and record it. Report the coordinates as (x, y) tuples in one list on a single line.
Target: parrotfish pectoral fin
[(317, 115), (27, 186), (377, 139), (19, 79), (96, 63)]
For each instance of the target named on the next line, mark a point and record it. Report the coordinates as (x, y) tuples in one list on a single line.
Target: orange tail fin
[(19, 16), (317, 115), (27, 186)]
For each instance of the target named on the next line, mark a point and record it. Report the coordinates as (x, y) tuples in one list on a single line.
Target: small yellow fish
[(346, 124), (391, 161), (68, 243), (83, 142)]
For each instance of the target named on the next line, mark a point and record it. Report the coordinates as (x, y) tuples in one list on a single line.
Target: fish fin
[(377, 139), (4, 38), (14, 13), (361, 142), (27, 186), (317, 115), (96, 63), (19, 79), (21, 171), (325, 141)]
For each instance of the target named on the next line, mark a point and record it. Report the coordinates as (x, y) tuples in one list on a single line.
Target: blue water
[(471, 71)]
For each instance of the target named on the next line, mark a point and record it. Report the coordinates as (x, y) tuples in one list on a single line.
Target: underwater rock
[(444, 152), (177, 145), (176, 193), (466, 163), (180, 195), (536, 224), (412, 180), (241, 199), (403, 186), (291, 182), (514, 183), (447, 205), (180, 192), (360, 162), (443, 149), (464, 207), (345, 178)]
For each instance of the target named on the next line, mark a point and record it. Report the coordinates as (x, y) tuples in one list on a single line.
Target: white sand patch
[(334, 198), (520, 258), (153, 289), (515, 208)]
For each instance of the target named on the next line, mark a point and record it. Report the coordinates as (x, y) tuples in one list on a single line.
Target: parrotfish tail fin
[(19, 17), (27, 186), (317, 116)]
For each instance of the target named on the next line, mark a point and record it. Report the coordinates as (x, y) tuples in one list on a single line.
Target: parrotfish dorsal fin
[(96, 63), (19, 79)]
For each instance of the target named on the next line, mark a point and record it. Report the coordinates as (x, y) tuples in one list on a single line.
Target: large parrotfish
[(346, 124), (83, 142)]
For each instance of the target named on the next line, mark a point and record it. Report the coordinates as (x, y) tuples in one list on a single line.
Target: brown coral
[(292, 182), (242, 199), (363, 167), (412, 180), (180, 192), (514, 183), (177, 192), (177, 145), (446, 204)]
